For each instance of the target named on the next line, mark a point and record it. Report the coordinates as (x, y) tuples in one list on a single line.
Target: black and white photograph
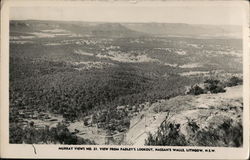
[(126, 75)]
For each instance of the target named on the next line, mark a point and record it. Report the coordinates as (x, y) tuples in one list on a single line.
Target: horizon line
[(123, 22)]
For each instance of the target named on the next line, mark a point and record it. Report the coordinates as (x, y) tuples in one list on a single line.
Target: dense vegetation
[(214, 86), (167, 135), (226, 134), (55, 135), (75, 94)]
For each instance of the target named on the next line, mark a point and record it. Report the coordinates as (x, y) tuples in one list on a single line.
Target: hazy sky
[(134, 13)]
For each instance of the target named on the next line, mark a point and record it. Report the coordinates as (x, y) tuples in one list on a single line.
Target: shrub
[(214, 86), (167, 135), (195, 90), (234, 81), (228, 134), (59, 134)]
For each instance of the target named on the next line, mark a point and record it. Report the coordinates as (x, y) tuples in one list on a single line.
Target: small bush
[(167, 135), (228, 134), (214, 86), (195, 90), (234, 81)]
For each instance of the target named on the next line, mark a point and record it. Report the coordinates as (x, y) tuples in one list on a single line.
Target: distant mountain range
[(187, 30), (131, 29)]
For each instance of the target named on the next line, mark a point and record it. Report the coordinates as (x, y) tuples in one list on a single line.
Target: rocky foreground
[(202, 120)]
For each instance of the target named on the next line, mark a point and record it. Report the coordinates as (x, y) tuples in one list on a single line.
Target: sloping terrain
[(193, 114)]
